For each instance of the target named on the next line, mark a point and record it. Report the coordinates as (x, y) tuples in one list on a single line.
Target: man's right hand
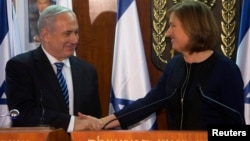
[(83, 124)]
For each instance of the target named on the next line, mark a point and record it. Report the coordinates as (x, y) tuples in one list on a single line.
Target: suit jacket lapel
[(43, 65), (75, 78)]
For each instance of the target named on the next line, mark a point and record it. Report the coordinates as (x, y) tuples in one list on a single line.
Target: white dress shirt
[(68, 77)]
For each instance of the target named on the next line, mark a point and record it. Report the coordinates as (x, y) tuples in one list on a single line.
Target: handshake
[(86, 122)]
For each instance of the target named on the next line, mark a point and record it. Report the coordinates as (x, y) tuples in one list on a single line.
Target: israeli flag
[(243, 54), (10, 45), (130, 78)]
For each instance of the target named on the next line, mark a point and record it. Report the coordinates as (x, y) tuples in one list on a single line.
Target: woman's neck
[(197, 57)]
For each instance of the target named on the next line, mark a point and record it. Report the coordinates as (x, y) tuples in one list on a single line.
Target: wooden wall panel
[(97, 20), (96, 40)]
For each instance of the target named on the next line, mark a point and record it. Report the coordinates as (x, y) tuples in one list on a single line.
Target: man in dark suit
[(31, 77)]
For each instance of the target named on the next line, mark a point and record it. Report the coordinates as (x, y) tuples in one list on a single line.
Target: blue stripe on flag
[(3, 31), (122, 7), (118, 101), (4, 20), (246, 92), (245, 20)]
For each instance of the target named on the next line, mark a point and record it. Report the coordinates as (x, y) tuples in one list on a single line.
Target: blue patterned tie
[(62, 82)]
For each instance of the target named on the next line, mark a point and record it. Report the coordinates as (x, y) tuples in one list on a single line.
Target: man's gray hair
[(48, 16)]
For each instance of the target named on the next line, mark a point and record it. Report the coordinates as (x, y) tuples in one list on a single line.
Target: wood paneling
[(97, 20), (96, 41)]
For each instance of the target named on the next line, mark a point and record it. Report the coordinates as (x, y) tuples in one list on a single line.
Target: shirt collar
[(53, 60)]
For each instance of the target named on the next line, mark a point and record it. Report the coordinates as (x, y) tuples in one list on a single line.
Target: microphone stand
[(43, 110)]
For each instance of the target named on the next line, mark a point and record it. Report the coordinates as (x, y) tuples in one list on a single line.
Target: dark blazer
[(216, 80), (32, 88)]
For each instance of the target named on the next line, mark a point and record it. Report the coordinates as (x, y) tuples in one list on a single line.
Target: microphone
[(143, 107), (43, 110), (14, 113), (221, 104)]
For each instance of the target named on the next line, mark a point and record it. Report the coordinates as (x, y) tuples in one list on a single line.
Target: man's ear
[(45, 35)]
